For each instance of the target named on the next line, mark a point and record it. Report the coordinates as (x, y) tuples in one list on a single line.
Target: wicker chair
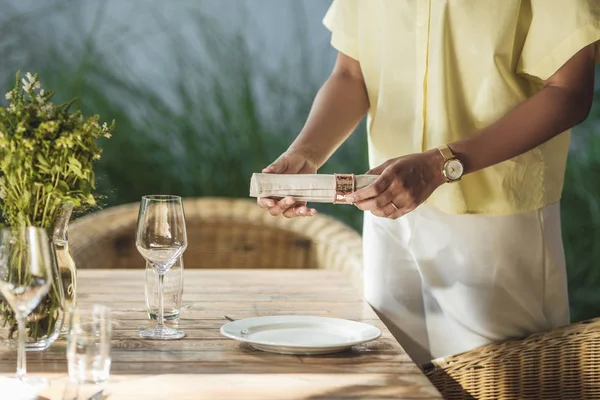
[(561, 364), (222, 233)]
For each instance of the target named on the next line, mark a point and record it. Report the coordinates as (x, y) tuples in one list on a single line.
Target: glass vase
[(65, 261), (45, 322)]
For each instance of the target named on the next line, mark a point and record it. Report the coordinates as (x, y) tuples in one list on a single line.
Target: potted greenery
[(47, 155)]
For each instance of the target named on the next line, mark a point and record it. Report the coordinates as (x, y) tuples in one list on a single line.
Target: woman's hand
[(404, 183), (289, 162)]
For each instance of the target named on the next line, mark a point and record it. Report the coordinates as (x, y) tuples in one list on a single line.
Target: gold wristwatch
[(452, 169)]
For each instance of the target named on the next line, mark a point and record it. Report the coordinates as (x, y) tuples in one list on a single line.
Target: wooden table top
[(207, 365)]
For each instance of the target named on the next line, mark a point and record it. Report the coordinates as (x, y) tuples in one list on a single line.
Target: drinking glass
[(25, 277), (88, 344), (161, 239), (172, 291)]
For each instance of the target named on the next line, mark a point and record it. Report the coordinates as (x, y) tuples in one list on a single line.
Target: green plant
[(47, 156)]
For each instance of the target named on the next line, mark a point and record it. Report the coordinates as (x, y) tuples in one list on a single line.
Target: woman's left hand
[(403, 184)]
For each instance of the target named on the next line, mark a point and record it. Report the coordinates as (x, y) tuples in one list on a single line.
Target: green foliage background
[(209, 131)]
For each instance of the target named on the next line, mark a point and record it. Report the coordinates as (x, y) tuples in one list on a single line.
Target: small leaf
[(75, 167), (90, 200), (42, 161), (6, 162), (63, 186)]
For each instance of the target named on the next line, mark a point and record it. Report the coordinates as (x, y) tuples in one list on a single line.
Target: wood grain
[(207, 365)]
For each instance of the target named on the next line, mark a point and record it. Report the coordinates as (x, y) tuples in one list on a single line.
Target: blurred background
[(206, 92)]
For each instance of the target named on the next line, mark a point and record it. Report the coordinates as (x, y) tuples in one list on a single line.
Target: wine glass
[(25, 277), (161, 239)]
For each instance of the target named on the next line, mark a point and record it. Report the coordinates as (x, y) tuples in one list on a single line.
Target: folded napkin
[(317, 188)]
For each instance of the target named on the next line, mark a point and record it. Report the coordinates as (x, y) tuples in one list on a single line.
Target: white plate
[(300, 334)]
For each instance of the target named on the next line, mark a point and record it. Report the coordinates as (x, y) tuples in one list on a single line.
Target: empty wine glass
[(161, 239), (25, 277)]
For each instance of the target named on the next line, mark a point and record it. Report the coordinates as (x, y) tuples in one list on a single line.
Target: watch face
[(453, 170)]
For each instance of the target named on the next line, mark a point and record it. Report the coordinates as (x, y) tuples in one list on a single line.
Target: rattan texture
[(560, 364), (223, 233)]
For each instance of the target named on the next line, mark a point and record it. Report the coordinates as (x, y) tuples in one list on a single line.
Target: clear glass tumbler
[(172, 289), (88, 344)]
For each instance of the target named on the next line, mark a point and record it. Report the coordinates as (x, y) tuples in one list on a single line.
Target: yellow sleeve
[(342, 20), (559, 29)]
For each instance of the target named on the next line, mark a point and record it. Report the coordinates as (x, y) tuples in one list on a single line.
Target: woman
[(469, 108)]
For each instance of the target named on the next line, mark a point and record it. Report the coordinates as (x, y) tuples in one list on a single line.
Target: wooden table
[(208, 365)]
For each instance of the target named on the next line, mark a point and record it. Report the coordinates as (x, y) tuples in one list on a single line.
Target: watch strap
[(446, 152)]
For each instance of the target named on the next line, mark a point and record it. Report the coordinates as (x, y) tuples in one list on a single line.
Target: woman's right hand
[(289, 162)]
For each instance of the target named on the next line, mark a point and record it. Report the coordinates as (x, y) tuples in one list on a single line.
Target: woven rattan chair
[(561, 364), (222, 233)]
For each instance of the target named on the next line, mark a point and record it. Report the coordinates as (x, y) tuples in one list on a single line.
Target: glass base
[(161, 333), (40, 345), (30, 346)]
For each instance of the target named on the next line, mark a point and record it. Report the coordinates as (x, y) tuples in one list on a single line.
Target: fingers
[(288, 207), (376, 203), (390, 210), (377, 170), (281, 206), (386, 197), (373, 190), (299, 210), (395, 208), (278, 166), (403, 209), (266, 202), (287, 163), (387, 205)]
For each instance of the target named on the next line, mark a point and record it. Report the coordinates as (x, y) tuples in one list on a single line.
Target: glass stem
[(161, 301), (21, 358)]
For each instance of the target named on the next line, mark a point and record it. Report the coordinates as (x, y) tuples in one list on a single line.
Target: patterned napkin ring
[(345, 184)]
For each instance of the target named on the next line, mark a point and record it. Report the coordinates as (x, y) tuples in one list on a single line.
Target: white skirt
[(444, 284)]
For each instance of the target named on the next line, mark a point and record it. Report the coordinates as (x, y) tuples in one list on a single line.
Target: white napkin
[(317, 188)]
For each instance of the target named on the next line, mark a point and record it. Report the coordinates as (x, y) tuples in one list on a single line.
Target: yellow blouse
[(439, 70)]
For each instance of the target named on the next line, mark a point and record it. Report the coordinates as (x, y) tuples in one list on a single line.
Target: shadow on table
[(448, 386), (391, 388)]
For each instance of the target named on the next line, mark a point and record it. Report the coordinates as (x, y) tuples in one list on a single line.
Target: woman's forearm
[(532, 123), (339, 106), (563, 103)]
